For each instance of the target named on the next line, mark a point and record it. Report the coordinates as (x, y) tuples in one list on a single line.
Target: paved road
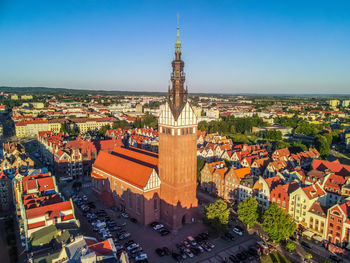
[(3, 244)]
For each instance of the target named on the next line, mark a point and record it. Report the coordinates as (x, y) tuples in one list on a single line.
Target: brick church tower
[(178, 151)]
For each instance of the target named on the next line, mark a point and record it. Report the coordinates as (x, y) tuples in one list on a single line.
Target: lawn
[(343, 158), (274, 257)]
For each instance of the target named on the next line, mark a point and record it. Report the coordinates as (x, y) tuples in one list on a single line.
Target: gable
[(186, 117), (153, 182)]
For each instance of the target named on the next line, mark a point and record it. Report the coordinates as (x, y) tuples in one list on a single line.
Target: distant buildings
[(69, 158), (334, 103), (31, 128)]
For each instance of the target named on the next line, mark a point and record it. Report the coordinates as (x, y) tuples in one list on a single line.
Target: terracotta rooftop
[(132, 165)]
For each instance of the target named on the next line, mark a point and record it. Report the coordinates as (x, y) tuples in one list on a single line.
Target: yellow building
[(14, 97), (38, 105), (26, 97), (334, 103), (32, 128), (86, 124)]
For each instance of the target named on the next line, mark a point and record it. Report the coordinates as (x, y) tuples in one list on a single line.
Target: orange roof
[(335, 167), (242, 172), (313, 191), (40, 211), (102, 248), (273, 180), (37, 224), (132, 165)]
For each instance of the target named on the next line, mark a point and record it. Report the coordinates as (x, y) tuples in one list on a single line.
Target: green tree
[(217, 216), (150, 121), (75, 131), (200, 165), (203, 126), (64, 127), (277, 223), (274, 135), (248, 211), (308, 255), (280, 145), (297, 147), (291, 246), (121, 124), (102, 131), (322, 145)]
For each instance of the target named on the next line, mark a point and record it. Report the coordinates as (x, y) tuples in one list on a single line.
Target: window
[(138, 204), (115, 187), (332, 218), (122, 192), (338, 227), (339, 220), (331, 224), (130, 199), (155, 204)]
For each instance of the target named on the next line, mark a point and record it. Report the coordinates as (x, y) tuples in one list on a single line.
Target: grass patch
[(343, 158), (274, 257)]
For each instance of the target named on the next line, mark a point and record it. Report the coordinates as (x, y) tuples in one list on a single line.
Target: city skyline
[(230, 47)]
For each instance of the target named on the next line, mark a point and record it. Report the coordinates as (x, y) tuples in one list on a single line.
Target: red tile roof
[(103, 248), (335, 167), (345, 207), (40, 211), (37, 224), (313, 191), (335, 182), (131, 165)]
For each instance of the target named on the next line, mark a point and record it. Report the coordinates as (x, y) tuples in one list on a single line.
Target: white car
[(237, 231), (140, 257), (125, 215), (157, 227), (132, 246)]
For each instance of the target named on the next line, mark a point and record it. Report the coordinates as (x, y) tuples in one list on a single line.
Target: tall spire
[(178, 42), (177, 95)]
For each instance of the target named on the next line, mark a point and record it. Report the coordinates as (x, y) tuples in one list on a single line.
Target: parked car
[(128, 243), (157, 227), (132, 246), (164, 232), (166, 251), (192, 241), (141, 257), (125, 215), (176, 256), (132, 219), (160, 252), (237, 231), (188, 253), (305, 245), (124, 236)]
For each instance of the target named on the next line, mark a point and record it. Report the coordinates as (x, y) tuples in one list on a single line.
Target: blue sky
[(228, 46)]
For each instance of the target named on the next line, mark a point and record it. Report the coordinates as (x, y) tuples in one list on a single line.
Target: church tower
[(178, 151)]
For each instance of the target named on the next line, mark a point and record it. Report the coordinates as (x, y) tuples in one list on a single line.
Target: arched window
[(336, 213)]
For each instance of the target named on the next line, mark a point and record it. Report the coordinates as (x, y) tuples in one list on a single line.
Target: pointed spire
[(178, 42)]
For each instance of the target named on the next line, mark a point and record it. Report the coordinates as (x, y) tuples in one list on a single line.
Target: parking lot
[(150, 241)]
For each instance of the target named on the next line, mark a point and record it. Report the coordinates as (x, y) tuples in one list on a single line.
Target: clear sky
[(228, 46)]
